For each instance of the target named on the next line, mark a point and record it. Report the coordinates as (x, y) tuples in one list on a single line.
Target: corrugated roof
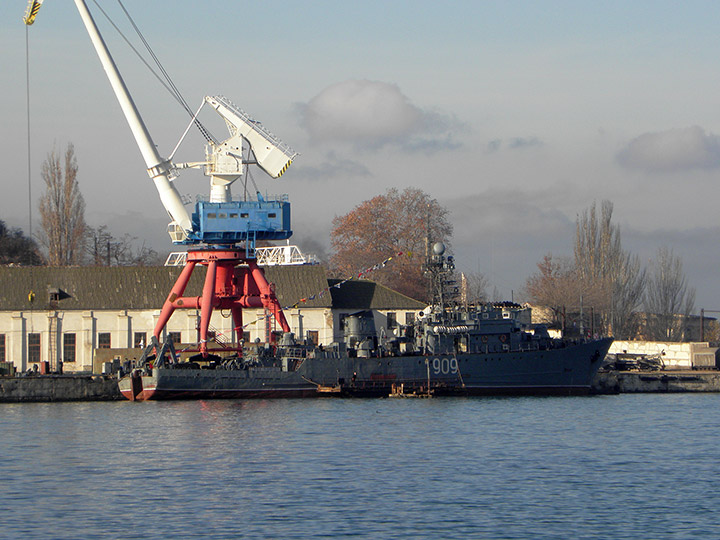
[(147, 287), (293, 283)]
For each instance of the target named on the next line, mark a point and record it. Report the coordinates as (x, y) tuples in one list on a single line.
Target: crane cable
[(168, 82), (31, 294)]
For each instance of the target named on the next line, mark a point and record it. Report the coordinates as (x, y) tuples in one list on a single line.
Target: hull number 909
[(445, 366)]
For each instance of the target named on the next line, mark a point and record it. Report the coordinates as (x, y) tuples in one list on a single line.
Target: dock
[(626, 382), (50, 388)]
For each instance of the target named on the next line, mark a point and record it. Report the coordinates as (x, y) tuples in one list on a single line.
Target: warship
[(451, 349)]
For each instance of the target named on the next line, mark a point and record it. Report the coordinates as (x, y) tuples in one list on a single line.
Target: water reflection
[(607, 466)]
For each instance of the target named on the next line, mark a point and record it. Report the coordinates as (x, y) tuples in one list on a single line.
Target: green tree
[(16, 248)]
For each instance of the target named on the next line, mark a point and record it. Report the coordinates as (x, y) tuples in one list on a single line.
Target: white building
[(67, 314)]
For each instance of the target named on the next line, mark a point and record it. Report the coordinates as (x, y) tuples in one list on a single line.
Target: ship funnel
[(359, 328)]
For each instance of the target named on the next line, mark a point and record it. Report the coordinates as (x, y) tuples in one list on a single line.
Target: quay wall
[(59, 388), (625, 382), (686, 355)]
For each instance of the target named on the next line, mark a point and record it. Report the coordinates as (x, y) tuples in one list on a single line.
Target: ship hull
[(568, 370)]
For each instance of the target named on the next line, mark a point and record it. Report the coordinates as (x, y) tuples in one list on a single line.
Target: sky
[(515, 116)]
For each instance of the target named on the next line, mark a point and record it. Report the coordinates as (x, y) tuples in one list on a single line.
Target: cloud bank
[(514, 143), (332, 166), (373, 114), (674, 150)]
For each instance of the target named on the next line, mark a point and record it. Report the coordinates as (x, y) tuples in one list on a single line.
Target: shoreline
[(61, 388)]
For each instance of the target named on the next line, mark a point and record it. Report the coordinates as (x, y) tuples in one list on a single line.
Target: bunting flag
[(339, 284), (360, 274)]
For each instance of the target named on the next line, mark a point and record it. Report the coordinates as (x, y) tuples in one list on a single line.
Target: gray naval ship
[(451, 349)]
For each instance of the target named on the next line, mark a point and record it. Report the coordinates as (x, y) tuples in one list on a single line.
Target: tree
[(17, 248), (555, 285), (62, 210), (613, 280), (601, 276), (668, 299), (384, 226), (105, 249), (474, 286)]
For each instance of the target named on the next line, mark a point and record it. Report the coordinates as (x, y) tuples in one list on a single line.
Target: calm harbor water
[(627, 466)]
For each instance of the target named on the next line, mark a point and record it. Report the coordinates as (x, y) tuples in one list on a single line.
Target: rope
[(31, 293), (175, 91), (27, 97), (317, 295), (169, 85)]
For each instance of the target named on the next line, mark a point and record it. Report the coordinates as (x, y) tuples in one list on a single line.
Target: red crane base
[(227, 286)]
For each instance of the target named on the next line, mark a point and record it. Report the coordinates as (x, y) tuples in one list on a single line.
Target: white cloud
[(373, 114), (673, 150)]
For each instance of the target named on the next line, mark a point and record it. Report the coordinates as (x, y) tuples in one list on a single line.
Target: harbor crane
[(221, 232)]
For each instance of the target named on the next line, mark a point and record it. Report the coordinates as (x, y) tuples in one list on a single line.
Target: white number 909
[(445, 366)]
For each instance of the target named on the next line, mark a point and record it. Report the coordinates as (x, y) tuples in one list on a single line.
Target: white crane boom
[(158, 168)]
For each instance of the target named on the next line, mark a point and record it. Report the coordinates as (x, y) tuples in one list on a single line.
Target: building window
[(175, 337), (68, 347), (33, 347), (312, 336), (104, 340), (409, 318), (391, 320), (140, 340), (246, 337), (2, 347)]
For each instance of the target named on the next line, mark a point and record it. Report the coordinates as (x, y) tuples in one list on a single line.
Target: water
[(627, 466)]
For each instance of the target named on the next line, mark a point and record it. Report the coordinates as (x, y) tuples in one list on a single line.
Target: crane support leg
[(176, 292), (207, 304), (232, 282), (267, 295), (238, 322)]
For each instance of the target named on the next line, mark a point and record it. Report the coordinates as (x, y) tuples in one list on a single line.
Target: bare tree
[(668, 299), (601, 278), (104, 249), (474, 287), (555, 285), (384, 226), (62, 210), (612, 280)]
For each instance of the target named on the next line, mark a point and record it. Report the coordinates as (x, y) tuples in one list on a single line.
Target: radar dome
[(439, 248)]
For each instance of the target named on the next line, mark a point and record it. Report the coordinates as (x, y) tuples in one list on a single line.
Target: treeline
[(65, 239), (627, 298)]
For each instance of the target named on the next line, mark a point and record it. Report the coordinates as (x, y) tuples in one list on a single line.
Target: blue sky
[(515, 115)]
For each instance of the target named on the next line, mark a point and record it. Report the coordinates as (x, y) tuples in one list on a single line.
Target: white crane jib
[(224, 160)]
